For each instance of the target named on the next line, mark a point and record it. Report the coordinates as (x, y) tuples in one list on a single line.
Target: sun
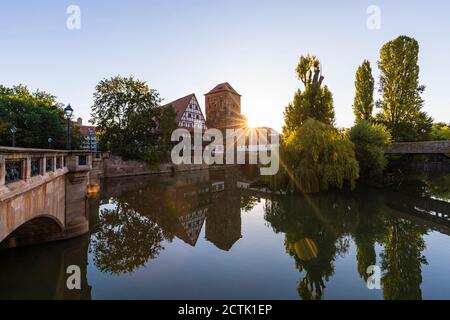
[(252, 123)]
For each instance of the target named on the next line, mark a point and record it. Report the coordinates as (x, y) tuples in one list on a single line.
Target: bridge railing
[(22, 169), (421, 147), (19, 166)]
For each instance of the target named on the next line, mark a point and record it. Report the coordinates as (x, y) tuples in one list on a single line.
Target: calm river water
[(207, 235)]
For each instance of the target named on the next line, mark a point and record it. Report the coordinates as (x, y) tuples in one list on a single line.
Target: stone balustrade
[(24, 169), (43, 187)]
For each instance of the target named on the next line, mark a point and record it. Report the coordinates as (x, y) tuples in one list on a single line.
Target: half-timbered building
[(189, 113)]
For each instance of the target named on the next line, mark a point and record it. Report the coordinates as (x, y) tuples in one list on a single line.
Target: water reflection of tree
[(439, 186), (125, 240), (248, 202), (402, 259), (322, 223), (369, 230), (317, 231)]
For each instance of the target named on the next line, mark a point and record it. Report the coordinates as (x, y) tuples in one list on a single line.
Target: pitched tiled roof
[(85, 130), (223, 87), (180, 105)]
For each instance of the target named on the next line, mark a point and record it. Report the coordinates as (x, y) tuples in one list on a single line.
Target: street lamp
[(50, 140), (68, 112), (13, 131)]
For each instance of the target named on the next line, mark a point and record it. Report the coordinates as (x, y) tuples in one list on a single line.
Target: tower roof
[(223, 87)]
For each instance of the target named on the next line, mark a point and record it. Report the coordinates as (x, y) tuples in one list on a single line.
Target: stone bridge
[(43, 195), (422, 147)]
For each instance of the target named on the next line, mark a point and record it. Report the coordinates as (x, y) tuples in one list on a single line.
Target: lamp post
[(68, 112), (13, 131), (50, 140)]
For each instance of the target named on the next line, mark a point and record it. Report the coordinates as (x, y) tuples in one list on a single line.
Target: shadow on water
[(133, 220), (39, 272)]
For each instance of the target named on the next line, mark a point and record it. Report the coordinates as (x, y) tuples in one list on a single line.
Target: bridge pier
[(43, 195), (77, 183)]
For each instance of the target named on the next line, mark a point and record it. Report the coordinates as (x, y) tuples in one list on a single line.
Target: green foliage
[(438, 186), (131, 120), (37, 117), (402, 260), (319, 156), (364, 84), (125, 240), (370, 142), (440, 131), (315, 154), (401, 103), (314, 102)]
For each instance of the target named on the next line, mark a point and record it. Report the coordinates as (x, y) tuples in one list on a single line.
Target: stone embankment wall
[(114, 166)]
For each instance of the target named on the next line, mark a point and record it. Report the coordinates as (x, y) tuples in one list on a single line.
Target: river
[(211, 235)]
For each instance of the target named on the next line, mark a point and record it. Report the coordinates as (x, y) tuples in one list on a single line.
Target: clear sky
[(188, 46)]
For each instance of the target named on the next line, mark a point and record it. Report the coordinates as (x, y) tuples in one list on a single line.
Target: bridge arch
[(40, 228)]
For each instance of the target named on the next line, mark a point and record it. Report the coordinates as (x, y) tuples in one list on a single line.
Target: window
[(82, 160), (49, 165), (35, 167), (58, 163), (13, 171)]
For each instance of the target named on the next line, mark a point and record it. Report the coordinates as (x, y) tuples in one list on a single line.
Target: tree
[(314, 102), (318, 156), (315, 238), (370, 142), (401, 103), (129, 117), (167, 125), (37, 117), (125, 240), (402, 260), (440, 131), (364, 84)]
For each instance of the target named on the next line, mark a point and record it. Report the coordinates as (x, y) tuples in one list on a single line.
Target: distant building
[(223, 108), (189, 113), (89, 134)]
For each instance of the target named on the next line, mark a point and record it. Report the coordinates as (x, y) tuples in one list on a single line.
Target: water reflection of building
[(190, 193), (223, 223), (211, 196), (153, 210), (192, 224)]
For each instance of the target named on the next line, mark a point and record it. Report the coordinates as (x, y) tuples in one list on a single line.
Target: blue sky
[(182, 47)]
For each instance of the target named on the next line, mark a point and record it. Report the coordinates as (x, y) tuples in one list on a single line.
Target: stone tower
[(223, 107)]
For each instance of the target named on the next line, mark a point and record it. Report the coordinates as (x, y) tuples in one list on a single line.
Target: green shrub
[(440, 131), (370, 142)]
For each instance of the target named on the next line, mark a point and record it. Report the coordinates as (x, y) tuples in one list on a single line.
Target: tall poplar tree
[(401, 102), (315, 101), (364, 85)]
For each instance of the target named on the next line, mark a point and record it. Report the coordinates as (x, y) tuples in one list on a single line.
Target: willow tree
[(401, 102), (363, 103), (318, 157), (315, 101)]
